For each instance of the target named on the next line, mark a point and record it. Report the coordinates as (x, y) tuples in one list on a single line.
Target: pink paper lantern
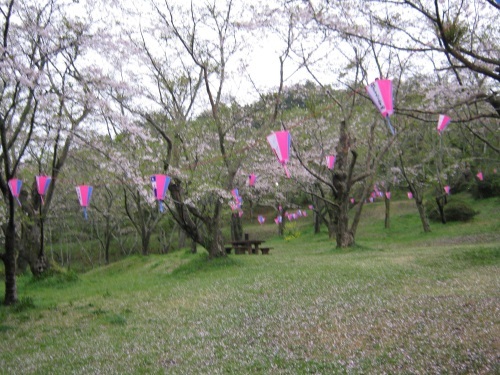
[(380, 92), (84, 192), (42, 185), (159, 183), (280, 142), (330, 161), (15, 188), (443, 122)]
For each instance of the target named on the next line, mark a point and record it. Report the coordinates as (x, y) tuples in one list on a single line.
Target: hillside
[(401, 301)]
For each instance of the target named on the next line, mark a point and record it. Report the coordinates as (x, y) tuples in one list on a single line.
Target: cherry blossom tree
[(49, 89), (202, 158)]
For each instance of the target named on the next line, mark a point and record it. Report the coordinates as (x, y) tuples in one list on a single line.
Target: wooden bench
[(265, 250)]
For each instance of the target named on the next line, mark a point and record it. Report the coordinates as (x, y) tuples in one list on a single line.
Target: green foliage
[(454, 210), (454, 31)]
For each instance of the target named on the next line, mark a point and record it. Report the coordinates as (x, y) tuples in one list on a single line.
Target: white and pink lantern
[(388, 195), (15, 188), (480, 176), (330, 161), (447, 190), (159, 183), (443, 122), (84, 192), (380, 92), (42, 185), (261, 219), (280, 142), (410, 195)]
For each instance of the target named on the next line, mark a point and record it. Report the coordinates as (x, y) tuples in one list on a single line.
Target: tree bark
[(423, 215), (441, 201), (31, 249), (387, 221), (236, 227), (9, 257)]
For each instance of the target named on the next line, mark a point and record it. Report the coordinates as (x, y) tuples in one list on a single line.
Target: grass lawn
[(400, 301)]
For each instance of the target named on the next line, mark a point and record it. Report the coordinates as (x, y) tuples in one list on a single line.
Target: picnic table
[(248, 246)]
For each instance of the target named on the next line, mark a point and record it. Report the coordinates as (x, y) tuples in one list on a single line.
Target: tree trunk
[(145, 237), (423, 215), (281, 225), (215, 240), (344, 236), (30, 249), (236, 227), (182, 238), (387, 222), (9, 257), (441, 201), (317, 223)]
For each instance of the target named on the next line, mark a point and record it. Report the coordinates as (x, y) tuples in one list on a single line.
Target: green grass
[(400, 301)]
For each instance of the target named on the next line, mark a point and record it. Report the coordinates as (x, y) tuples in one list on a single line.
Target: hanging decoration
[(84, 193), (42, 184), (261, 219), (238, 200), (330, 161), (251, 179), (480, 176), (15, 188), (380, 92), (280, 142), (442, 123), (278, 219), (388, 195), (447, 190), (410, 195), (159, 183)]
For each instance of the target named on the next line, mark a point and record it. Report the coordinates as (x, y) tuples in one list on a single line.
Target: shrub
[(455, 210), (489, 187), (291, 231)]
